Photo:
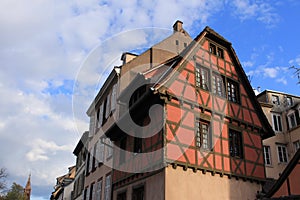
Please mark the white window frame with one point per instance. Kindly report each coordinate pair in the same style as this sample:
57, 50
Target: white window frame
289, 116
107, 187
277, 102
278, 122
99, 190
100, 116
289, 105
267, 152
284, 153
100, 153
109, 149
113, 99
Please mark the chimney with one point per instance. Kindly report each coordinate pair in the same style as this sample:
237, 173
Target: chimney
177, 27
126, 57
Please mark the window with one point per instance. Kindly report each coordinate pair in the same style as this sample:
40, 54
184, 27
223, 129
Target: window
138, 193
99, 190
296, 145
107, 187
289, 101
137, 94
177, 42
275, 100
122, 150
203, 136
218, 86
282, 153
108, 101
233, 91
220, 53
277, 125
87, 164
185, 44
87, 193
235, 144
92, 192
292, 120
109, 149
202, 80
91, 159
216, 50
267, 155
95, 163
137, 148
113, 99
100, 116
212, 48
121, 196
100, 153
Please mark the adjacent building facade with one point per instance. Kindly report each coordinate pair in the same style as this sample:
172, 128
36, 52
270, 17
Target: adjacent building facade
80, 152
64, 186
283, 112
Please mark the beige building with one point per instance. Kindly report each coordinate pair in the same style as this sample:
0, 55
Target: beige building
80, 152
283, 113
105, 111
64, 186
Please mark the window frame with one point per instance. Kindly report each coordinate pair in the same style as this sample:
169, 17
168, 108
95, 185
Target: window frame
218, 87
202, 79
233, 91
107, 189
289, 101
277, 122
292, 118
275, 101
202, 142
236, 144
283, 158
99, 189
267, 155
137, 192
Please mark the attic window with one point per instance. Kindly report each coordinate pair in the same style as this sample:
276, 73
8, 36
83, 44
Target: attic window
216, 50
177, 42
212, 48
220, 53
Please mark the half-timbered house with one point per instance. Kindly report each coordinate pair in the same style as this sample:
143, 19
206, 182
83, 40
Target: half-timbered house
190, 128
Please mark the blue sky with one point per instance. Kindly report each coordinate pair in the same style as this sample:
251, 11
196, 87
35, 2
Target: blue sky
47, 47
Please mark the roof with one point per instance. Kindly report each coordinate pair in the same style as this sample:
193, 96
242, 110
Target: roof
277, 92
81, 143
211, 34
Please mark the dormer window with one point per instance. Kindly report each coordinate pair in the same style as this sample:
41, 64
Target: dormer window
220, 53
275, 100
216, 50
212, 48
289, 101
292, 119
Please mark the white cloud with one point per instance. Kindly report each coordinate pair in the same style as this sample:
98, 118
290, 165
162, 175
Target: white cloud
43, 45
247, 64
41, 148
259, 10
295, 62
271, 72
282, 80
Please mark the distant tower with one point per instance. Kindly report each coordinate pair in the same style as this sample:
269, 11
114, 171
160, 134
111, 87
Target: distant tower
27, 189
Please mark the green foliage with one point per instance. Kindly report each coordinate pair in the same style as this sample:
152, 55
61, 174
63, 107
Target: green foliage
16, 192
3, 176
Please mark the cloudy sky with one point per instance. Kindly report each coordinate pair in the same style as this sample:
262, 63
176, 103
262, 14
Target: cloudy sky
53, 57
